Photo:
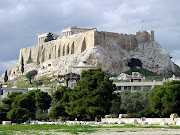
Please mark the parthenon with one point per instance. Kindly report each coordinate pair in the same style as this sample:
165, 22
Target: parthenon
74, 30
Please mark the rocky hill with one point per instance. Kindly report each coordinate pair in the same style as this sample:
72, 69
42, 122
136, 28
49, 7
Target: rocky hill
109, 56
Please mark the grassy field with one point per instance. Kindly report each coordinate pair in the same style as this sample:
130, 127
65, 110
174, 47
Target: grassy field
47, 129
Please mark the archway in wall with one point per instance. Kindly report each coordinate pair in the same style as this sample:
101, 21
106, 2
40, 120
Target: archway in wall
83, 47
72, 48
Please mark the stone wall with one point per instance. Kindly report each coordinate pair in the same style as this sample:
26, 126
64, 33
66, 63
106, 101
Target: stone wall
150, 121
56, 48
127, 42
79, 42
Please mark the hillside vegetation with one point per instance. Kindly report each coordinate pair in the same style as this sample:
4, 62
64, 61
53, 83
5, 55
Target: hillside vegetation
143, 71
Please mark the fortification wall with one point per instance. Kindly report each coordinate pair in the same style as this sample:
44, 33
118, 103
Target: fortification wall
127, 42
56, 48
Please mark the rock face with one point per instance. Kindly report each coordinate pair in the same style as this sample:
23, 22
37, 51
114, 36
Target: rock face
109, 56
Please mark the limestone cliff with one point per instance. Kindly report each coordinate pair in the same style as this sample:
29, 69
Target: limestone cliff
109, 56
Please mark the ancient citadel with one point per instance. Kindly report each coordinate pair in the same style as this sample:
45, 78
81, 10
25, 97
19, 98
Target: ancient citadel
76, 40
82, 46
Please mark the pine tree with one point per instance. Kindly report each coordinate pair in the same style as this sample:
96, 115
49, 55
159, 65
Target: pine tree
49, 37
5, 77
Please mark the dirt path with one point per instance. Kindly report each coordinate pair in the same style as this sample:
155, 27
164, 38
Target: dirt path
136, 131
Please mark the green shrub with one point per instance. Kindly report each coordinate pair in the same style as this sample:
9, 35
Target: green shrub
29, 61
142, 71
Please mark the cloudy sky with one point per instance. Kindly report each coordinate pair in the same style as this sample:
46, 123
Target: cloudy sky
22, 20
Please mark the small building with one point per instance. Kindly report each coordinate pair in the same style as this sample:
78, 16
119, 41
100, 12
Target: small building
135, 82
5, 91
133, 86
70, 79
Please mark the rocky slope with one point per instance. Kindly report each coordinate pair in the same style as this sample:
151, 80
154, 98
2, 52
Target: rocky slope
109, 56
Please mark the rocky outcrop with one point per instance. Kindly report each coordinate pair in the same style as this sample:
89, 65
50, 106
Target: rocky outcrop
110, 56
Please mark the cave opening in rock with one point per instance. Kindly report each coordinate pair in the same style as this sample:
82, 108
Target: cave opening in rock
134, 62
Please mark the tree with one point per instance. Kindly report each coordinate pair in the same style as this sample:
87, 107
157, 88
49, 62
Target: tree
135, 102
31, 74
60, 98
41, 115
115, 106
43, 100
17, 113
10, 99
58, 111
92, 97
32, 101
22, 65
166, 99
3, 112
25, 102
5, 77
49, 37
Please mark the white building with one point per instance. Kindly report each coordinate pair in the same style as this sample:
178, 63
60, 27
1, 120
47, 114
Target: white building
133, 86
135, 82
5, 91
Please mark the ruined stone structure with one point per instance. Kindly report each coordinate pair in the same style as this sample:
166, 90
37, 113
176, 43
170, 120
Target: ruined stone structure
76, 40
74, 30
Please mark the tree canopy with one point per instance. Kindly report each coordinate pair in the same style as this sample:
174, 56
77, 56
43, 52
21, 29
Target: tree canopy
92, 97
49, 37
166, 99
28, 105
43, 100
60, 98
31, 74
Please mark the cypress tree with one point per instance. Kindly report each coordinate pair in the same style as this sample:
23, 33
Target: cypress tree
22, 65
5, 77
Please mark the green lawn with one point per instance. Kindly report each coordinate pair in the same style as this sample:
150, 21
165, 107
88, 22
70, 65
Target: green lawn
47, 129
36, 129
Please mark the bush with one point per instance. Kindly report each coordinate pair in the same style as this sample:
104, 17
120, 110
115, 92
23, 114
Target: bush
29, 61
142, 71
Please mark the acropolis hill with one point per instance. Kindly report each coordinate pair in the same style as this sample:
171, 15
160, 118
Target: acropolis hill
83, 47
76, 40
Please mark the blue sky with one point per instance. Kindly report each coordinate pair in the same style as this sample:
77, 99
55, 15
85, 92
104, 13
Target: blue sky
22, 20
